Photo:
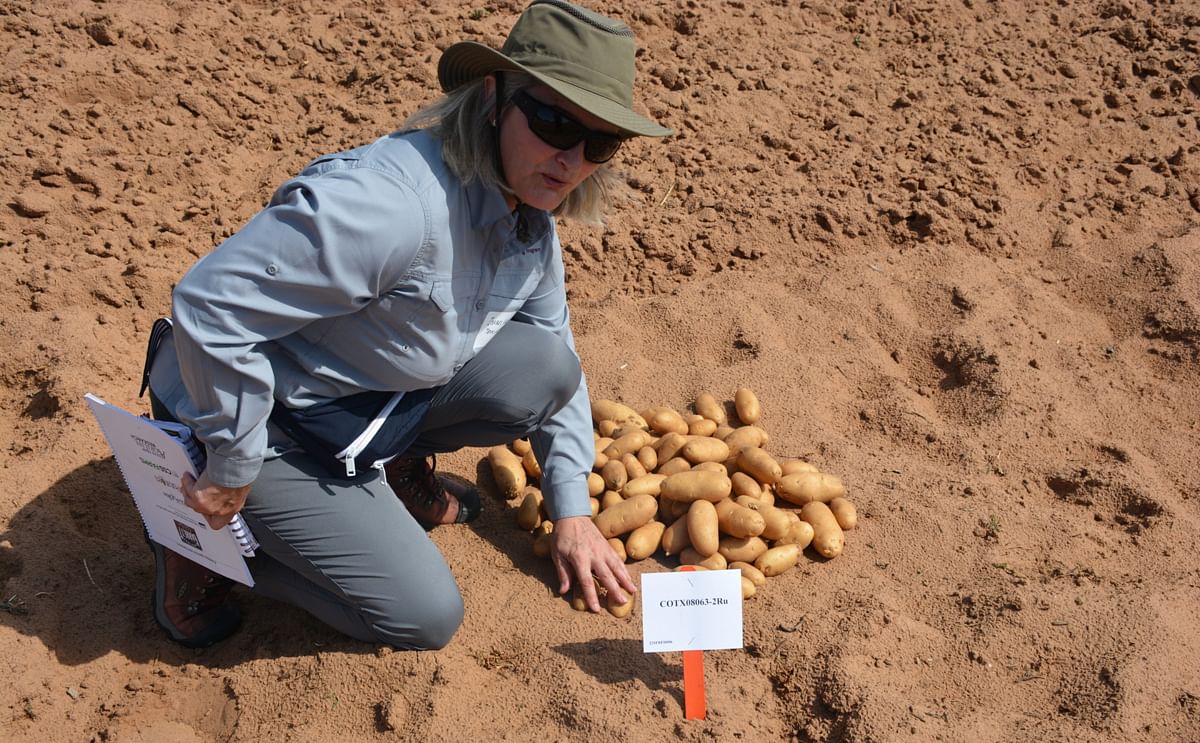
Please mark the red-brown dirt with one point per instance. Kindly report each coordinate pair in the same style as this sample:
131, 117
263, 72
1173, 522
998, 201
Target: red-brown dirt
953, 246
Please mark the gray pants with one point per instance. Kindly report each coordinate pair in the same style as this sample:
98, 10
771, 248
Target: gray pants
348, 552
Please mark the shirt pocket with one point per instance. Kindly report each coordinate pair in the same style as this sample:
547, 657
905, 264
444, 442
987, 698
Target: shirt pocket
512, 286
421, 302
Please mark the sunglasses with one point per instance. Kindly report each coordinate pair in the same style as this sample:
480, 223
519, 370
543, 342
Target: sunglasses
560, 130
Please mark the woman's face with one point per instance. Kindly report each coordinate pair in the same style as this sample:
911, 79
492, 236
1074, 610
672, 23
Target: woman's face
539, 174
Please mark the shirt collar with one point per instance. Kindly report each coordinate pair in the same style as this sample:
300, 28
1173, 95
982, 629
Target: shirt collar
488, 207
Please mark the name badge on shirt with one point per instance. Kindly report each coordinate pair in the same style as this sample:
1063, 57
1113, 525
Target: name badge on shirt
491, 325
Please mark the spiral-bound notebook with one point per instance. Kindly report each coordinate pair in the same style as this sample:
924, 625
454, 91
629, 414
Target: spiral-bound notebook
153, 457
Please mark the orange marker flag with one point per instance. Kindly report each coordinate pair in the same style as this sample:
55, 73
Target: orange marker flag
693, 679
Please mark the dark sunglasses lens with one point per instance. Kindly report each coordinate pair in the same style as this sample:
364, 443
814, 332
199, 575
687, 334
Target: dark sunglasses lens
600, 149
559, 130
555, 129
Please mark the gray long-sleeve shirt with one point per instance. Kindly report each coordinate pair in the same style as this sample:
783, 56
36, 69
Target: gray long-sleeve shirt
373, 269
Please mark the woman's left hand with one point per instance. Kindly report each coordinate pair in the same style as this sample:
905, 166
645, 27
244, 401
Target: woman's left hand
580, 554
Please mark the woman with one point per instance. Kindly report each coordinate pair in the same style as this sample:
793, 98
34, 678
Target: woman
426, 263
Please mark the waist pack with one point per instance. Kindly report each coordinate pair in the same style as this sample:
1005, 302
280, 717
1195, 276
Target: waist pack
364, 430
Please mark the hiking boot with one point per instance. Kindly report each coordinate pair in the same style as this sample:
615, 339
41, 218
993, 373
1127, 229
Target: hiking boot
190, 600
432, 499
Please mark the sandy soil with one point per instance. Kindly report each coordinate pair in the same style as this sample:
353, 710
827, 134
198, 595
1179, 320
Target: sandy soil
953, 246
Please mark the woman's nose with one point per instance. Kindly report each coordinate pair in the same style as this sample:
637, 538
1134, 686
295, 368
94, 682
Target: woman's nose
573, 157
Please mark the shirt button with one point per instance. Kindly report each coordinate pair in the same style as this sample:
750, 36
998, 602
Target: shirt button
479, 305
272, 269
457, 367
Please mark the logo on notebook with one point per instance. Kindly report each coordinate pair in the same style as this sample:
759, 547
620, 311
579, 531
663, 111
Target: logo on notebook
149, 447
188, 535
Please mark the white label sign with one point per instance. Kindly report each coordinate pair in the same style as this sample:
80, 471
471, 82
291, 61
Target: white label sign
492, 323
698, 610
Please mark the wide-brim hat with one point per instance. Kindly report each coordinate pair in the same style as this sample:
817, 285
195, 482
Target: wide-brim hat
585, 57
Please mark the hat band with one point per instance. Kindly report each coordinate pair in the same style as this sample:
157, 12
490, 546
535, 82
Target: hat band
578, 76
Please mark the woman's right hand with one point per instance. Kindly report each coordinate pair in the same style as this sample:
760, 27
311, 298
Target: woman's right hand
215, 503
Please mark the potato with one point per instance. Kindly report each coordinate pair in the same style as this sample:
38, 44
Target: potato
828, 539
578, 602
696, 485
629, 442
705, 449
778, 560
672, 509
615, 475
748, 588
644, 540
701, 426
751, 573
702, 528
543, 539
792, 466
644, 485
507, 471
648, 458
529, 513
664, 420
620, 611
669, 446
746, 436
595, 484
775, 520
675, 537
671, 466
520, 446
606, 428
767, 496
609, 410
758, 464
806, 487
603, 442
712, 467
610, 499
707, 406
745, 402
618, 547
723, 431
741, 549
625, 429
530, 463
799, 533
626, 516
845, 513
744, 484
689, 556
633, 467
595, 506
736, 520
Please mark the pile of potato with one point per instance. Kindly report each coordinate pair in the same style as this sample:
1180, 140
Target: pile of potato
695, 486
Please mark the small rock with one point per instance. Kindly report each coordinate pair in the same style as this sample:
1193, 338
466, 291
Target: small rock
394, 713
101, 32
32, 204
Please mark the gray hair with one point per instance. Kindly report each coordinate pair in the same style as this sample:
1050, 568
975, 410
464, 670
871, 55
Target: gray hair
461, 119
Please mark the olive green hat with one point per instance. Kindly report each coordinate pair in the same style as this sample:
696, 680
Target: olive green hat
585, 57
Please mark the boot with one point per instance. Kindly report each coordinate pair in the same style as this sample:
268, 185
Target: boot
432, 499
190, 600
